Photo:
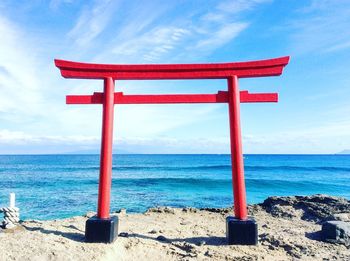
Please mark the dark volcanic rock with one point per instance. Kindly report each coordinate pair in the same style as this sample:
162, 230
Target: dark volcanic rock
318, 208
218, 210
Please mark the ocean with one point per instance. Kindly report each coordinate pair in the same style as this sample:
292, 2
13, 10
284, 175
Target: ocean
60, 186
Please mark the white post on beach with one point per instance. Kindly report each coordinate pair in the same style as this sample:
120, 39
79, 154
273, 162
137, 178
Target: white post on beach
12, 200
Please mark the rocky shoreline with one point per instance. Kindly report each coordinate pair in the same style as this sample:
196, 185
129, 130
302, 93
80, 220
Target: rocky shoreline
289, 229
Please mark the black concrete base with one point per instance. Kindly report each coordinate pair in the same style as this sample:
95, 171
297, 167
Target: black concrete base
99, 230
241, 232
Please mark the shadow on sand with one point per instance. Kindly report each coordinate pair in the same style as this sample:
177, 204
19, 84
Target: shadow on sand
78, 237
314, 235
211, 241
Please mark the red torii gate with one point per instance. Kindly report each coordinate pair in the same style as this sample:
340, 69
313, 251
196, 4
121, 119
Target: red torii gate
103, 228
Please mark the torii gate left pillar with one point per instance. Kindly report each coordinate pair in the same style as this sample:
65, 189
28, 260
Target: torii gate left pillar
239, 229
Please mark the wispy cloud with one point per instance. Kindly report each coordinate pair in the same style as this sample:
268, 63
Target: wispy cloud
329, 137
20, 138
19, 80
238, 6
223, 35
79, 143
153, 44
130, 32
93, 21
182, 38
157, 120
322, 27
55, 4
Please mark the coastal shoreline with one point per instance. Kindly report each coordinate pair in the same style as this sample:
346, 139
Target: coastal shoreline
289, 229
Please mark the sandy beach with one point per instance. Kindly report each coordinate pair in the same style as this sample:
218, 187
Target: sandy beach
289, 229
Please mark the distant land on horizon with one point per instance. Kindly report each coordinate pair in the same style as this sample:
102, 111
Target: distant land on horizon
119, 151
124, 152
347, 152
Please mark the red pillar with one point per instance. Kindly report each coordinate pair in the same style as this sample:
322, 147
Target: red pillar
104, 189
239, 192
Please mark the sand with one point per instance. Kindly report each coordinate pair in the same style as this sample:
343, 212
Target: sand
287, 231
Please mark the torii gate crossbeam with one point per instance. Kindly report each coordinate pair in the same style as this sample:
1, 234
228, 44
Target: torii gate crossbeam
229, 71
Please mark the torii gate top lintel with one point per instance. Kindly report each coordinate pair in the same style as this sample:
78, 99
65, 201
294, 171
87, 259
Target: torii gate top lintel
261, 68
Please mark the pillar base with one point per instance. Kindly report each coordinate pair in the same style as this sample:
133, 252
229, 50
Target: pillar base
99, 230
241, 232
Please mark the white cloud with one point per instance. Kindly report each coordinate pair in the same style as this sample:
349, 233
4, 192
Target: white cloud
237, 6
330, 137
29, 94
19, 74
152, 44
337, 47
93, 21
27, 143
323, 27
55, 4
22, 138
155, 120
223, 35
182, 38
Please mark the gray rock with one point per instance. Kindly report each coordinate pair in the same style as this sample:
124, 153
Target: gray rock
336, 232
124, 234
208, 253
154, 210
187, 247
190, 210
201, 243
168, 210
162, 238
121, 211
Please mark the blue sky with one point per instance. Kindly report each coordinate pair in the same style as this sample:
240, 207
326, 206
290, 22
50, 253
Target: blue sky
312, 116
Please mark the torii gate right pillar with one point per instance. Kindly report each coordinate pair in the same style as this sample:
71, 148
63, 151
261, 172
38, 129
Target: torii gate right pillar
240, 230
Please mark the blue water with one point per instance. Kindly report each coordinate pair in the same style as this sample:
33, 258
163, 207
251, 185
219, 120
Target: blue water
58, 186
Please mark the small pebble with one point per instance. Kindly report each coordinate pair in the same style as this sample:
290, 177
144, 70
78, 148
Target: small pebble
201, 243
121, 211
124, 234
153, 231
208, 254
162, 238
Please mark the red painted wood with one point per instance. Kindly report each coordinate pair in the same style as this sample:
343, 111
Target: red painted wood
229, 71
240, 204
246, 97
104, 189
96, 98
270, 67
220, 97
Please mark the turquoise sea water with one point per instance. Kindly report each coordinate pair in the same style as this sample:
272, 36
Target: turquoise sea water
58, 186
